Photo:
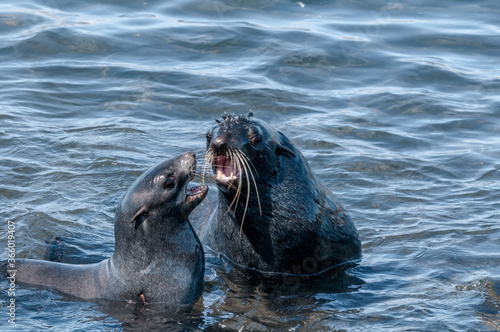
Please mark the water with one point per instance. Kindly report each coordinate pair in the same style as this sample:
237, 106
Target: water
394, 103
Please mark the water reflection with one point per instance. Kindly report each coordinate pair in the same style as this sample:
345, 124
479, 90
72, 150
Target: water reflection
251, 300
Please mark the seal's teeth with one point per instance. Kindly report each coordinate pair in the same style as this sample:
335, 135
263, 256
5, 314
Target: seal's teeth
225, 175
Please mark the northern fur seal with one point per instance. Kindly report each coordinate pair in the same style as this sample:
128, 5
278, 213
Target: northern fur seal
158, 257
273, 214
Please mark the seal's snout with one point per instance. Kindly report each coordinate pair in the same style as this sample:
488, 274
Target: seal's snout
193, 197
219, 144
187, 163
224, 165
189, 157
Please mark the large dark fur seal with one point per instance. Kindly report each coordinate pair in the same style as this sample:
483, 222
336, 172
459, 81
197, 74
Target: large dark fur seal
272, 214
158, 257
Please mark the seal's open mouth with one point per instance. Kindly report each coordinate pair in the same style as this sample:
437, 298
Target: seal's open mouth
195, 195
225, 170
198, 192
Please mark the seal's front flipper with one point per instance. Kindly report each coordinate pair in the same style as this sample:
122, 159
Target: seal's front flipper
55, 249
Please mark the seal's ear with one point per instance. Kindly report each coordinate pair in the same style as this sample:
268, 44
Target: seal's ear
284, 146
140, 216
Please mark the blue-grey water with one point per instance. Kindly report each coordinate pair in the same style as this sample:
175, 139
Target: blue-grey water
395, 104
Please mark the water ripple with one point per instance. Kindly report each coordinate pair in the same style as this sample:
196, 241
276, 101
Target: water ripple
395, 105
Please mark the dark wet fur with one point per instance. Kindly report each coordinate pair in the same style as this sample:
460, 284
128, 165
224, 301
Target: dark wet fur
280, 218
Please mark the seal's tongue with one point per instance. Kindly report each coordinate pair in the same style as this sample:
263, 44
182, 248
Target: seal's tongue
224, 168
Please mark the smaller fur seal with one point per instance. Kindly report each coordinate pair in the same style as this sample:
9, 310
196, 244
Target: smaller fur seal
273, 213
158, 257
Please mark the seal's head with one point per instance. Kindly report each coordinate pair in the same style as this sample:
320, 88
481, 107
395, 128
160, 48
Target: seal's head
242, 147
161, 194
245, 156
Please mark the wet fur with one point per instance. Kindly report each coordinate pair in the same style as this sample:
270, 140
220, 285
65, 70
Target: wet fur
286, 220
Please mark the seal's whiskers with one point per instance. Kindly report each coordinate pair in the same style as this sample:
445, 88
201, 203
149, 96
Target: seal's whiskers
245, 157
208, 160
240, 164
238, 191
247, 161
238, 157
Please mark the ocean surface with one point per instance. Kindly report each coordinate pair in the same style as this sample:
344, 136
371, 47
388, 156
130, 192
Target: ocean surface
395, 104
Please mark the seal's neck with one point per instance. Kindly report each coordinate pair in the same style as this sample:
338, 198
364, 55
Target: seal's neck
151, 242
241, 220
249, 204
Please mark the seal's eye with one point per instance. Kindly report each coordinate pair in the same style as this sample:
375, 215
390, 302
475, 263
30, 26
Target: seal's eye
169, 183
256, 139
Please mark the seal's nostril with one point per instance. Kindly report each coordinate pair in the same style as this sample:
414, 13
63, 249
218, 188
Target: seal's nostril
219, 143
